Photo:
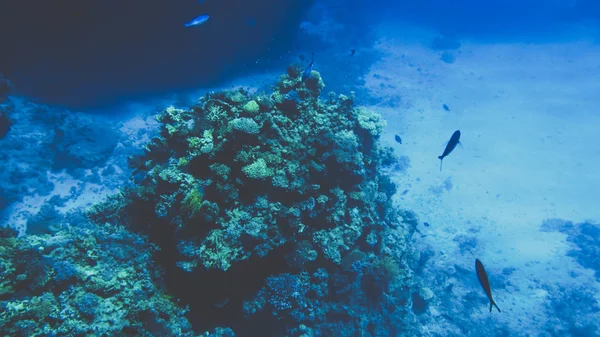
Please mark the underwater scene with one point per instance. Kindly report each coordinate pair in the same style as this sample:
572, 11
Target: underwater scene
300, 168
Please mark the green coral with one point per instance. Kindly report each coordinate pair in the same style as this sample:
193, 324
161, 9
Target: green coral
370, 121
251, 107
215, 252
257, 170
175, 121
183, 161
192, 203
198, 146
346, 148
245, 125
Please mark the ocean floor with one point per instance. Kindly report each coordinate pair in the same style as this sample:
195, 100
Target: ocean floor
529, 123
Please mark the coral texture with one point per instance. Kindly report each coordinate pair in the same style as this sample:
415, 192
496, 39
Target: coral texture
274, 208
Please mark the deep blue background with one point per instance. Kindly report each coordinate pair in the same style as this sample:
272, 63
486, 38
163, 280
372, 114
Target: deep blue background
95, 53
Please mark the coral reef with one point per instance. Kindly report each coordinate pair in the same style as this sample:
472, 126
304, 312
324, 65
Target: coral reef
84, 281
275, 210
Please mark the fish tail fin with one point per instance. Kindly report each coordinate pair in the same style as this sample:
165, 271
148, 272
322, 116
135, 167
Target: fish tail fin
493, 304
441, 161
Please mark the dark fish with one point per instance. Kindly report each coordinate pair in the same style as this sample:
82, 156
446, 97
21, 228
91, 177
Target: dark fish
454, 140
308, 69
446, 107
398, 139
302, 58
352, 52
483, 279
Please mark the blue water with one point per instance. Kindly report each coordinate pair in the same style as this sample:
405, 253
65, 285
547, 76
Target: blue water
138, 199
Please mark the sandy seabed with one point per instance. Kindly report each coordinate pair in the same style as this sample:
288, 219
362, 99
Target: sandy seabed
529, 119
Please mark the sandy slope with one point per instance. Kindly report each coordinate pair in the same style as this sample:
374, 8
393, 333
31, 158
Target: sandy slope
529, 121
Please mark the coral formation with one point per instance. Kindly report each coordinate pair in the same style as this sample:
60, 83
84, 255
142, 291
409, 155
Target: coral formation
97, 280
259, 199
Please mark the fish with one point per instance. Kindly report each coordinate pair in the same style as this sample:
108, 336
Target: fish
398, 139
446, 107
483, 279
352, 52
454, 140
197, 21
308, 69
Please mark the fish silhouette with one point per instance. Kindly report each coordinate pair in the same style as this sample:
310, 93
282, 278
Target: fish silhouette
308, 69
454, 140
485, 283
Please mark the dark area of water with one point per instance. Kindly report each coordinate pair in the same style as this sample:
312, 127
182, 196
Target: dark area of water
93, 54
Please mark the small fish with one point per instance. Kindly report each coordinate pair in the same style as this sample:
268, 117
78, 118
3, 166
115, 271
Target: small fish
197, 21
483, 279
308, 69
352, 52
302, 58
454, 140
398, 139
446, 107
